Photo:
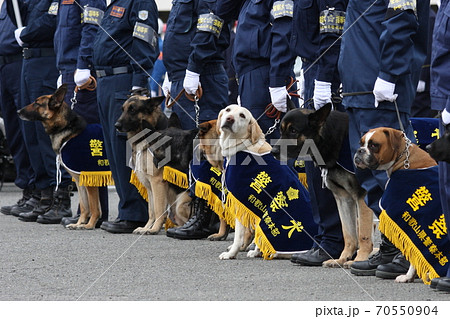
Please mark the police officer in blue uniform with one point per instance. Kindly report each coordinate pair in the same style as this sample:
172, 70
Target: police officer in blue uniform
440, 97
10, 68
39, 76
317, 27
389, 66
125, 49
196, 39
261, 57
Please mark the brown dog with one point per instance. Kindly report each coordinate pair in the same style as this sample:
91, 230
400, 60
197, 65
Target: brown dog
62, 124
388, 149
142, 113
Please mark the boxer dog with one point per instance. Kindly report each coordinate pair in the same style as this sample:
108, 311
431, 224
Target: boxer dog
388, 149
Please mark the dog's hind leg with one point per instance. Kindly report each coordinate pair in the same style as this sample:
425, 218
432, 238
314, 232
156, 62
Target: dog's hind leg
239, 234
84, 205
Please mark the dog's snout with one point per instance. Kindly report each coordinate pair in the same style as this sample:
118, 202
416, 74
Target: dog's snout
118, 126
230, 119
428, 148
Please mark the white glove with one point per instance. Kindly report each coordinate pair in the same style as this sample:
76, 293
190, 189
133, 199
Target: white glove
191, 82
81, 76
17, 33
421, 86
153, 93
445, 117
136, 88
59, 81
278, 96
166, 85
322, 93
384, 91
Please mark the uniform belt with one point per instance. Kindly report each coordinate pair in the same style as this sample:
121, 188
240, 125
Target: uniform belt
6, 59
29, 53
113, 71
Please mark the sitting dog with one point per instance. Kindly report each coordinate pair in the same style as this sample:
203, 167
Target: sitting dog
253, 192
327, 130
140, 113
440, 149
63, 124
389, 149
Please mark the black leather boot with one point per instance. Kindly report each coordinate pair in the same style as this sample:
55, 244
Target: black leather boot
45, 203
31, 204
398, 266
204, 222
60, 208
385, 255
26, 195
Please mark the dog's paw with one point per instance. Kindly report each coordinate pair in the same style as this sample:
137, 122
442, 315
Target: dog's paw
226, 255
348, 264
72, 226
254, 253
333, 263
217, 237
404, 279
145, 231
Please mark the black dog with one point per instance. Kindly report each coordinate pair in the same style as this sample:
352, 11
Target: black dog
324, 131
440, 149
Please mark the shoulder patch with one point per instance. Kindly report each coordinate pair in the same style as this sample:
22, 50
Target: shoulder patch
92, 15
332, 21
283, 8
143, 14
397, 6
53, 9
209, 22
67, 1
145, 32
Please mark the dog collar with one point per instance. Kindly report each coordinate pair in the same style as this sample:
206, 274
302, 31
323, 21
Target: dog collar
406, 163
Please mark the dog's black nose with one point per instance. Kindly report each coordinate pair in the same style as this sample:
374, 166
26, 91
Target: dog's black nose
428, 148
118, 126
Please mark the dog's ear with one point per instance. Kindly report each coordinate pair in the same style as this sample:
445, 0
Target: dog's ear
319, 117
219, 120
204, 128
153, 102
58, 97
174, 121
395, 138
290, 105
255, 131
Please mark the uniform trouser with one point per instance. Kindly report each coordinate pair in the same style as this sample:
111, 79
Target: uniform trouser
444, 188
325, 211
360, 121
86, 106
39, 77
9, 94
112, 92
214, 82
255, 96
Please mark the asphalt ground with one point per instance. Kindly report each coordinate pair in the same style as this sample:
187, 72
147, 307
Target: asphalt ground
50, 263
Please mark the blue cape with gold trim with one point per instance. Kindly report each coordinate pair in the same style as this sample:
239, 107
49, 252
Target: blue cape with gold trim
268, 195
413, 220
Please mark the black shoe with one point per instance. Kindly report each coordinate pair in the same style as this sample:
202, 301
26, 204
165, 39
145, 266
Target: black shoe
26, 195
443, 284
29, 217
29, 206
121, 226
202, 223
73, 220
59, 208
398, 266
434, 282
313, 257
384, 255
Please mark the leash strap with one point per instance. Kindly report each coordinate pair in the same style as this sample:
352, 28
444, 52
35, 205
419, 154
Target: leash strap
191, 97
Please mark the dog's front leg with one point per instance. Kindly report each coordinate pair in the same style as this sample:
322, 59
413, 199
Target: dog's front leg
94, 207
408, 277
237, 243
365, 236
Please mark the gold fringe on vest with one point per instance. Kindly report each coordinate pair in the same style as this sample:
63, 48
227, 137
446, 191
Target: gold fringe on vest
96, 179
399, 238
140, 187
175, 177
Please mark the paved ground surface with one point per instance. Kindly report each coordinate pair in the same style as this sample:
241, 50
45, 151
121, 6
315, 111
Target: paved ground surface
48, 262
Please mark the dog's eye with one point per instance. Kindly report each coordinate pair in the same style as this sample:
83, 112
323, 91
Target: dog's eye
293, 130
374, 147
242, 115
227, 109
131, 110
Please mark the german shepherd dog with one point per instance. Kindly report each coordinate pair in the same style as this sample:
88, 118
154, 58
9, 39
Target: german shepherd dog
440, 149
327, 129
62, 124
140, 113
